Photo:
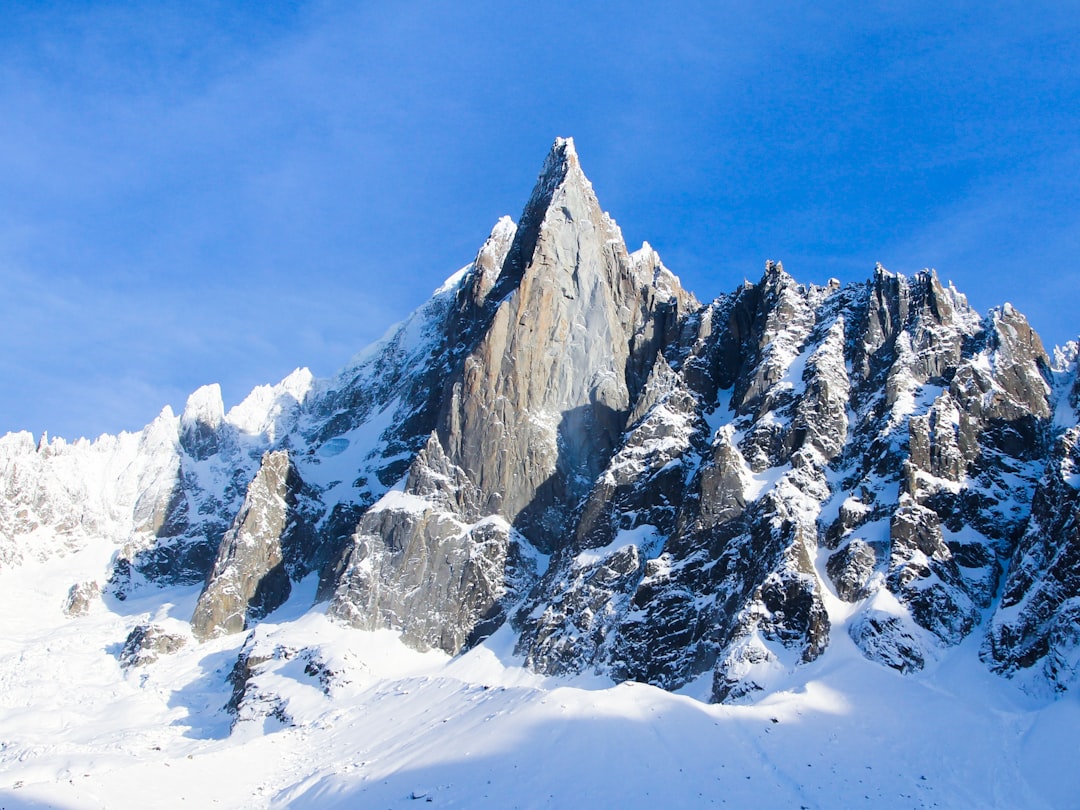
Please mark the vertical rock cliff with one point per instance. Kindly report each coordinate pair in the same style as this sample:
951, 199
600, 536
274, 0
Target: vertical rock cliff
528, 421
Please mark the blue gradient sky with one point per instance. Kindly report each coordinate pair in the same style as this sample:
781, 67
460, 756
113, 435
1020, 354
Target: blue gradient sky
205, 192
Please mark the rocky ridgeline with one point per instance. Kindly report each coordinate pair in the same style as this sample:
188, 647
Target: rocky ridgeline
564, 439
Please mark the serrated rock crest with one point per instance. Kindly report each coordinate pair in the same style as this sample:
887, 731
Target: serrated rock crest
643, 486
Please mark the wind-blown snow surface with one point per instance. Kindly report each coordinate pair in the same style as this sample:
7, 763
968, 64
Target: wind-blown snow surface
362, 721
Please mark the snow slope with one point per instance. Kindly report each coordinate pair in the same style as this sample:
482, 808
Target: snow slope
343, 718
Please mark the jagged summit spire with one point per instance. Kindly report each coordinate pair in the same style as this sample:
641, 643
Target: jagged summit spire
575, 323
562, 185
566, 145
561, 160
562, 153
560, 166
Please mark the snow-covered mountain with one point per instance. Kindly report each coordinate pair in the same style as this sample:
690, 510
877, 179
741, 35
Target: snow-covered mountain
564, 473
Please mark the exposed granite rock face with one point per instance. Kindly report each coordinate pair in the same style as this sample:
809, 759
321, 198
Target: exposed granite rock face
425, 561
545, 396
269, 544
528, 422
644, 483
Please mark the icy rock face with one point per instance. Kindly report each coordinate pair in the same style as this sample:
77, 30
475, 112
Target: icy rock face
883, 429
200, 424
270, 544
426, 562
1037, 624
396, 388
945, 429
186, 499
633, 505
716, 568
117, 488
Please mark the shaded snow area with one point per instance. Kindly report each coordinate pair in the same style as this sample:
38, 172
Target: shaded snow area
306, 713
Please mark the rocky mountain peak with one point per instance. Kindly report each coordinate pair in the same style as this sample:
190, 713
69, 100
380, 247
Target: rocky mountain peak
201, 420
488, 264
565, 439
561, 164
562, 193
573, 336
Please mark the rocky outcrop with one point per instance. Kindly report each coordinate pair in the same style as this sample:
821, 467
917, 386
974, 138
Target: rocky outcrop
269, 545
81, 597
264, 662
852, 568
425, 560
148, 642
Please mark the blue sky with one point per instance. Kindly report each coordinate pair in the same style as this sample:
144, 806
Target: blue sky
221, 192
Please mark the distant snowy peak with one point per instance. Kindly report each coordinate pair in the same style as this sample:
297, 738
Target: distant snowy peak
267, 409
1065, 357
201, 421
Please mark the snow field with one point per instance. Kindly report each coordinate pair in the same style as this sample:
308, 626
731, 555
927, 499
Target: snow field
399, 727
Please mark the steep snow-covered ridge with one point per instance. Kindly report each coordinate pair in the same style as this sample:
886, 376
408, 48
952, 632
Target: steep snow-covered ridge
564, 444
